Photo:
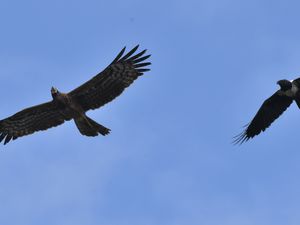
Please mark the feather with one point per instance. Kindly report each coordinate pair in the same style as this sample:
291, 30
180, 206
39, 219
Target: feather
112, 81
270, 110
30, 120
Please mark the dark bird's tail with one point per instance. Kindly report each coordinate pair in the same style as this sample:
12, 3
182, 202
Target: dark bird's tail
89, 127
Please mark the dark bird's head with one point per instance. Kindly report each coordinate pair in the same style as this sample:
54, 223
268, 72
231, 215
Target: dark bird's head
284, 85
54, 92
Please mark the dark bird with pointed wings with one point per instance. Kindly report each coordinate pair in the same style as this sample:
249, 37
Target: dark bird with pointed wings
271, 109
95, 93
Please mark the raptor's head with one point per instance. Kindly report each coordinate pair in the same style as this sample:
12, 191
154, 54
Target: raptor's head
284, 84
54, 92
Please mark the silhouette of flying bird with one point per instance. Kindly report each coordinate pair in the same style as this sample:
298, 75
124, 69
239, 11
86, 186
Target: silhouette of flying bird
271, 109
95, 93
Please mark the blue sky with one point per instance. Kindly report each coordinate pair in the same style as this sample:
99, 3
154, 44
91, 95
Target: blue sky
169, 159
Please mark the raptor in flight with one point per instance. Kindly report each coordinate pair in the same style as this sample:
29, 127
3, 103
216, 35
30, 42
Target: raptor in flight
271, 109
98, 91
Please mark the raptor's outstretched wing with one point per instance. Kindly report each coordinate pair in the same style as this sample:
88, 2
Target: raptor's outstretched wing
112, 81
30, 120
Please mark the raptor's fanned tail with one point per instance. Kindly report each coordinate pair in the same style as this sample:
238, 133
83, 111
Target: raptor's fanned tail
89, 127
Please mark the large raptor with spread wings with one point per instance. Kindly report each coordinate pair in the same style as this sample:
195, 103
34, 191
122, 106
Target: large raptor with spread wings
98, 91
271, 109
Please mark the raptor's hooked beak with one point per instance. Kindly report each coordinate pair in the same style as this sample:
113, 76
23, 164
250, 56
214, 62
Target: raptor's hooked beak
54, 90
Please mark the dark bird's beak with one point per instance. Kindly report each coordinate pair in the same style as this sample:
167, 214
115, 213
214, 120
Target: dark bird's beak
284, 84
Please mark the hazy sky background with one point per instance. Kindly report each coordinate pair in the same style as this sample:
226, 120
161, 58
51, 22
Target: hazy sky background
169, 159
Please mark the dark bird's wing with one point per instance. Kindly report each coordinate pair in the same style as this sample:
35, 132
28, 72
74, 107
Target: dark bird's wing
30, 120
270, 110
112, 81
